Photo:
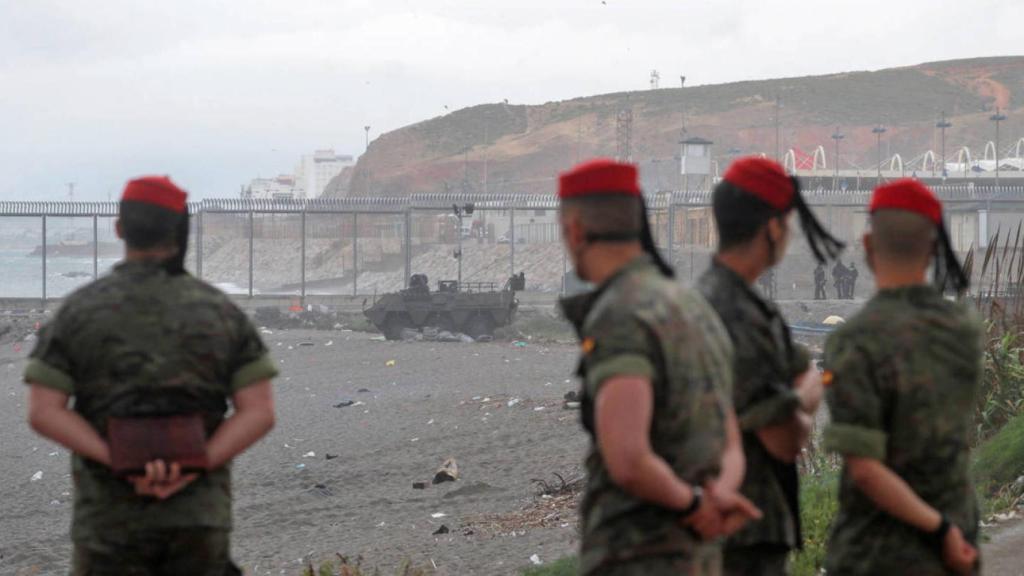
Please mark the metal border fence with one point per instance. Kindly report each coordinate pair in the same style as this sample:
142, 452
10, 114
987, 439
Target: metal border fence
964, 197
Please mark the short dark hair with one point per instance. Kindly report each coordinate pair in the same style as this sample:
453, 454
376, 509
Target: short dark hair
145, 226
739, 215
901, 236
609, 214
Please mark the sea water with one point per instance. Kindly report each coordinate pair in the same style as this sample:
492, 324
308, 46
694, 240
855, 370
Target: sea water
21, 273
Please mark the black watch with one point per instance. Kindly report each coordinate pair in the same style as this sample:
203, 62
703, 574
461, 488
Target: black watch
937, 537
697, 496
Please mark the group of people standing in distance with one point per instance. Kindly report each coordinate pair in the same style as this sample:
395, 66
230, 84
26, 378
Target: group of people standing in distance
844, 279
697, 401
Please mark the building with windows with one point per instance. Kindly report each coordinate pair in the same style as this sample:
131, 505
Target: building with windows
280, 188
314, 171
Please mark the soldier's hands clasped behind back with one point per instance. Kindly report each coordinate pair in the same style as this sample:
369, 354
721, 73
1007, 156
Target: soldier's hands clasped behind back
161, 480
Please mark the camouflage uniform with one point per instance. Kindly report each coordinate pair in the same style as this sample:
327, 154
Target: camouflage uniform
767, 362
904, 378
135, 336
641, 323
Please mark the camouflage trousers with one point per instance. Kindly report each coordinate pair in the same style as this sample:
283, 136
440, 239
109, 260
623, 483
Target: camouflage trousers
756, 560
172, 552
708, 563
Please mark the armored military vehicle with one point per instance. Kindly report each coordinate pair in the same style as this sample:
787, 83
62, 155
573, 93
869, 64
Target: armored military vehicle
474, 308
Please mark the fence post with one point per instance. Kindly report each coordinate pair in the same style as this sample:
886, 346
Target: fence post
671, 231
355, 253
407, 248
199, 244
95, 246
303, 258
44, 262
512, 240
252, 253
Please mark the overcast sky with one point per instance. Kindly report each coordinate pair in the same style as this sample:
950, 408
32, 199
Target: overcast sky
215, 93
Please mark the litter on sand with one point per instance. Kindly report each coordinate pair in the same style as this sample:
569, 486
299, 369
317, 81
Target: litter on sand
389, 363
536, 560
438, 515
37, 476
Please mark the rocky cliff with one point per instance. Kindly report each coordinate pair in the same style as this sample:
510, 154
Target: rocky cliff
515, 148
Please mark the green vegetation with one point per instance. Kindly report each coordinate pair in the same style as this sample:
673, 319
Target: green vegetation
563, 567
998, 463
818, 505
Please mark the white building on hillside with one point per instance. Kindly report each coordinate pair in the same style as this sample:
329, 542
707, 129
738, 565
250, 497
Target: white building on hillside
315, 171
279, 188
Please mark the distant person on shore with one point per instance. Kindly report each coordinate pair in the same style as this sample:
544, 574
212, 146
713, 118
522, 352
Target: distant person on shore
151, 349
851, 281
776, 390
662, 475
819, 282
901, 378
839, 273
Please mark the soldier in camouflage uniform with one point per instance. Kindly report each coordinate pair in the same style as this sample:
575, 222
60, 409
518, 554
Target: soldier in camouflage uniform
775, 392
150, 338
665, 461
901, 378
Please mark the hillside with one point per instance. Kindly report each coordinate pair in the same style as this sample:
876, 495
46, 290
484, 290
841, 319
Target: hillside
516, 148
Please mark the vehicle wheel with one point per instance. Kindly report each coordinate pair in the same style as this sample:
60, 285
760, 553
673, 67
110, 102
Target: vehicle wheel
479, 325
393, 326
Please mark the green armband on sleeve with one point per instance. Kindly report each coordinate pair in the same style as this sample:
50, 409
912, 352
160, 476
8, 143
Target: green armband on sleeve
620, 365
774, 410
261, 369
852, 440
39, 372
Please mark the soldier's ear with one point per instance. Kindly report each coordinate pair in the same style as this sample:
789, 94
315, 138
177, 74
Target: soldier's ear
869, 251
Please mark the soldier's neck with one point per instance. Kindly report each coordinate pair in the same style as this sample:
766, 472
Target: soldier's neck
152, 255
890, 276
747, 265
605, 259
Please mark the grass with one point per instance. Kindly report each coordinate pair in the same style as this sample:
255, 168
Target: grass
818, 505
998, 462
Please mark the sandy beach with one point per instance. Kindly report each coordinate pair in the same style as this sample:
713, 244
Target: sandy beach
495, 407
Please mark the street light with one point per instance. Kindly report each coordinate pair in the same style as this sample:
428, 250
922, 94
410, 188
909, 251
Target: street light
878, 131
942, 125
459, 211
837, 136
997, 118
367, 129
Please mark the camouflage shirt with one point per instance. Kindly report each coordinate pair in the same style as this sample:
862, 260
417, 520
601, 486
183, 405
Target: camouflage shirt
767, 362
904, 377
139, 332
640, 323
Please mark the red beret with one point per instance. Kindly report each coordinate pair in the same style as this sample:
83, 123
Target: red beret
156, 190
909, 195
599, 177
764, 179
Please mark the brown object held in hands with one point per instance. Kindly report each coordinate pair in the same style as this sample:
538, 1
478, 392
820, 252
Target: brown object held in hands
134, 442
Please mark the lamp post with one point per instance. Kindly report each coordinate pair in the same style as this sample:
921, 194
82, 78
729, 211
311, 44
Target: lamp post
942, 125
778, 104
837, 136
997, 118
459, 211
878, 131
367, 130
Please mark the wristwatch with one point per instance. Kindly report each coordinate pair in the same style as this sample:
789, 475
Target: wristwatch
937, 537
695, 500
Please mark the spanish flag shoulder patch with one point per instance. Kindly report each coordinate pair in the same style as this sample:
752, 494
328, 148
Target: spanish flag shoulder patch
587, 345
